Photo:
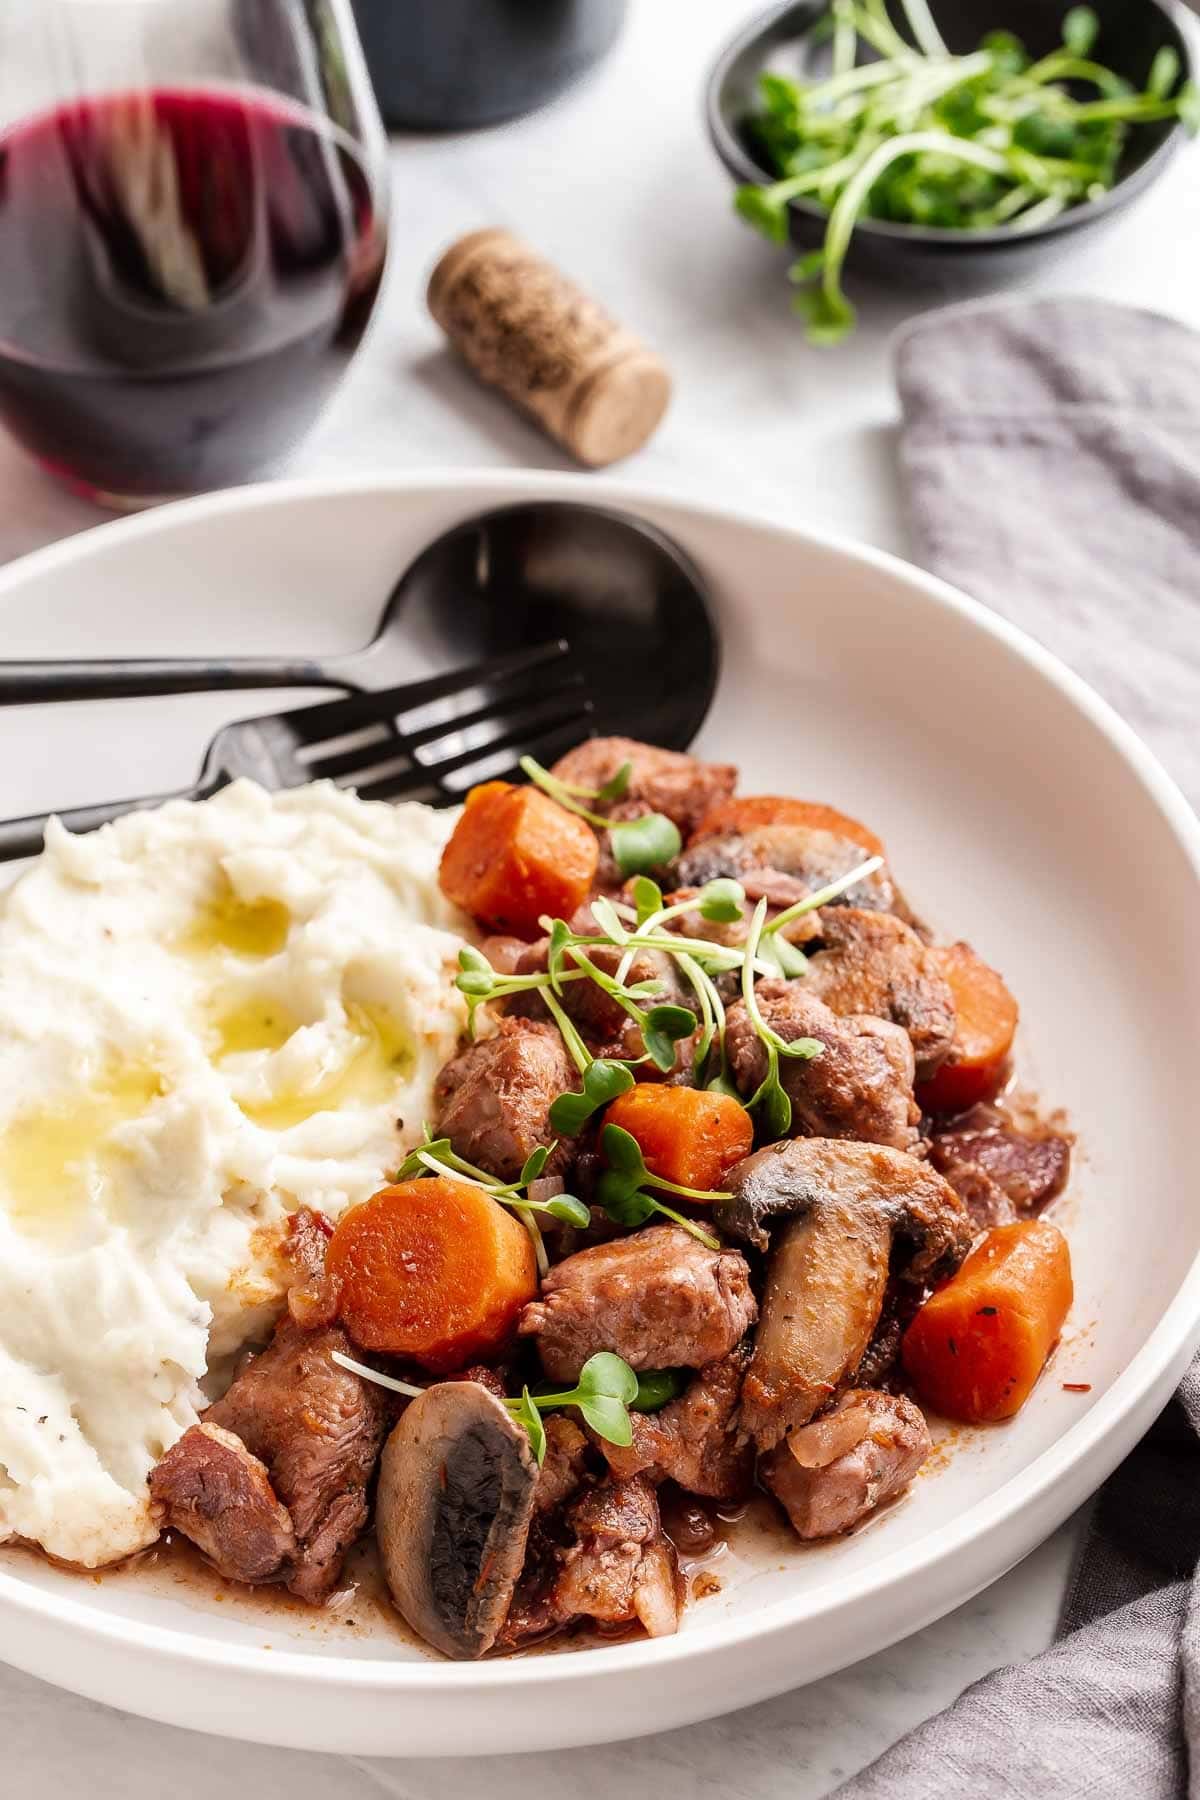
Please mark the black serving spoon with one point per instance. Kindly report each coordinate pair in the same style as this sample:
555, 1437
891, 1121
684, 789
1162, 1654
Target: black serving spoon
631, 605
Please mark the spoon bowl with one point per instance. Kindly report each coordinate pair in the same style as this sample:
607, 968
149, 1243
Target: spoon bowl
633, 608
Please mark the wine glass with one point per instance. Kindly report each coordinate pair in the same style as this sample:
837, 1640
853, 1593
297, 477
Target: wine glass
193, 224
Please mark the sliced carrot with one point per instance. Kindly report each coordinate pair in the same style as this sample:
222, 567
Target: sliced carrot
685, 1135
986, 1023
435, 1270
514, 855
752, 810
978, 1345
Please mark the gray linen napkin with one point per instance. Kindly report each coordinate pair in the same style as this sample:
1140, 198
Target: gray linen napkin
1051, 451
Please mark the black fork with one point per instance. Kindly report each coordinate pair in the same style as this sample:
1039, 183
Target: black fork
427, 740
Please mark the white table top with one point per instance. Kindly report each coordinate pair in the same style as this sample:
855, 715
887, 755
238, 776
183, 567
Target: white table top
616, 182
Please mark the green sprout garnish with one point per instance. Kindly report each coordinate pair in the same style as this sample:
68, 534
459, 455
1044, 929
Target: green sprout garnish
606, 1392
637, 844
646, 843
916, 136
822, 896
770, 1095
602, 1083
622, 1189
656, 1387
615, 788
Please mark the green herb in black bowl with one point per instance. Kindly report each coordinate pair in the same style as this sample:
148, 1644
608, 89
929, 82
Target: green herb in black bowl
967, 136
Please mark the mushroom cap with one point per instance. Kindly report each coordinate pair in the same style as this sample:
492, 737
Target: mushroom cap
785, 1180
456, 1491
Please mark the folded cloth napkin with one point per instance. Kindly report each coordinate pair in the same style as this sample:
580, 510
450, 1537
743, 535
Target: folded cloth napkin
1051, 451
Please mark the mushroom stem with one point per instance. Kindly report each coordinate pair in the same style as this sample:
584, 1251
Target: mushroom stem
844, 1215
824, 1294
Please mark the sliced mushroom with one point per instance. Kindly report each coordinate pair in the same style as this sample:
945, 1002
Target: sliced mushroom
845, 1214
456, 1493
785, 863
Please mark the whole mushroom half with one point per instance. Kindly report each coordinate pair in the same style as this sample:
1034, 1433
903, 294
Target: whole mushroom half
837, 1217
456, 1488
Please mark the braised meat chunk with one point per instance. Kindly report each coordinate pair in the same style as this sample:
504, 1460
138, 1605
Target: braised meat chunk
493, 1101
785, 863
872, 962
318, 1430
212, 1490
829, 1475
861, 1086
613, 1566
621, 1567
693, 1440
1001, 1175
272, 1484
565, 1464
658, 1298
663, 781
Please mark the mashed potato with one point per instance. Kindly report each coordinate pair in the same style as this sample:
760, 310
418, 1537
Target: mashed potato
209, 1014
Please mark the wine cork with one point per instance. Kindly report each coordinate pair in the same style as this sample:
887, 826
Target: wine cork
526, 329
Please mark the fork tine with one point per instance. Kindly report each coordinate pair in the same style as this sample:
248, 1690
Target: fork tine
547, 749
327, 719
556, 710
362, 758
553, 735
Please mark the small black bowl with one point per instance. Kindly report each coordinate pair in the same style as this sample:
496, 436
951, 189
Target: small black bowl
1131, 33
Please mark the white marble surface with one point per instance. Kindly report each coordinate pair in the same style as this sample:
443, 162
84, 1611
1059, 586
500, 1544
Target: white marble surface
617, 182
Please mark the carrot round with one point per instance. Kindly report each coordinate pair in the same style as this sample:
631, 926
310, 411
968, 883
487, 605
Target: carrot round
434, 1270
985, 1025
514, 855
978, 1345
752, 810
685, 1135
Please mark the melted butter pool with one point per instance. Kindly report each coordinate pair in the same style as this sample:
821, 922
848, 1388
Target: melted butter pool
380, 1059
58, 1159
254, 1024
249, 928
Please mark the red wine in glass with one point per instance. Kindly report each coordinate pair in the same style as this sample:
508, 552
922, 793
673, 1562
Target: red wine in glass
183, 276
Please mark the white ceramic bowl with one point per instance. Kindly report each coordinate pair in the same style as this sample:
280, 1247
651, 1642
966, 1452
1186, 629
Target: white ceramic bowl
1019, 812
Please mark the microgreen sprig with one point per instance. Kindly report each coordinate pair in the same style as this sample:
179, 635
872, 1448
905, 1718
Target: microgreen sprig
606, 1389
603, 1082
637, 844
833, 890
436, 1156
916, 136
568, 793
771, 1095
606, 1392
622, 1189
